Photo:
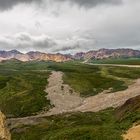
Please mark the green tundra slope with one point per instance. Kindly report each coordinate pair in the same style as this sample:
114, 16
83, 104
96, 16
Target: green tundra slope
22, 94
122, 61
22, 90
109, 124
22, 84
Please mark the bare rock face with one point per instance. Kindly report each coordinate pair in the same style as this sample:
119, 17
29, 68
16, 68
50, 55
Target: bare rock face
4, 132
107, 53
33, 56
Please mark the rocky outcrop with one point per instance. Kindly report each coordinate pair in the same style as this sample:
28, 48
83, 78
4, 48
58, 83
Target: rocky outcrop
4, 132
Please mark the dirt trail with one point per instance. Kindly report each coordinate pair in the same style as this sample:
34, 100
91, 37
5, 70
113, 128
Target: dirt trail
66, 100
114, 65
61, 95
133, 133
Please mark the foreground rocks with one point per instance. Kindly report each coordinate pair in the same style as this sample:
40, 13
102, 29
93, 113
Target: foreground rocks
4, 132
133, 133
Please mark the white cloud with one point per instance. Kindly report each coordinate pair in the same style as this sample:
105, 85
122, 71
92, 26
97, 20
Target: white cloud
62, 26
24, 41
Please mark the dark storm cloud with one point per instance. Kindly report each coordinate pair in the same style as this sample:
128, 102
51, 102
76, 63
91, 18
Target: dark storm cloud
41, 41
23, 41
7, 4
91, 3
75, 43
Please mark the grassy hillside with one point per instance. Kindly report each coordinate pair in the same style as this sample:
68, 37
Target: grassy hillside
22, 94
22, 90
123, 61
18, 65
22, 84
109, 124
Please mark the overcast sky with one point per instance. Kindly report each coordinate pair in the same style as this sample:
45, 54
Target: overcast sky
69, 26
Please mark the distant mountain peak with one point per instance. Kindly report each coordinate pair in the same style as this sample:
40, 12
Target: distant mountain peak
32, 55
58, 57
107, 53
15, 51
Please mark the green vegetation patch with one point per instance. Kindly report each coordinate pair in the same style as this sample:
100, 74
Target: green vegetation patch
18, 65
108, 124
88, 80
22, 92
78, 126
125, 72
22, 84
123, 61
